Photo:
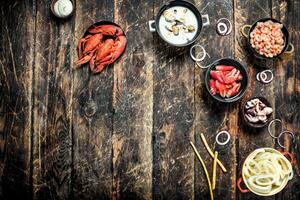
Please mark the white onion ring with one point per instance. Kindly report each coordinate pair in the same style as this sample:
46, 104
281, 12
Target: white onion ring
202, 67
264, 80
258, 178
263, 76
226, 141
228, 31
269, 127
261, 189
266, 170
257, 76
221, 24
193, 57
281, 134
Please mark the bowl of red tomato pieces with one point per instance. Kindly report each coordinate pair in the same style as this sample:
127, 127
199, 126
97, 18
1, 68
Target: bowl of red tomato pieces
226, 80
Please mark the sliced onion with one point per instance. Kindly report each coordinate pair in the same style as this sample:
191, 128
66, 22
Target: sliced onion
219, 28
263, 76
258, 188
258, 76
266, 170
269, 177
227, 26
194, 57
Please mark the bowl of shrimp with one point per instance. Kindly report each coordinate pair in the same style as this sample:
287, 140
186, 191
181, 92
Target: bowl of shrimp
268, 38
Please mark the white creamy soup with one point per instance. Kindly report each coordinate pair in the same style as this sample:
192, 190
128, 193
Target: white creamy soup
178, 25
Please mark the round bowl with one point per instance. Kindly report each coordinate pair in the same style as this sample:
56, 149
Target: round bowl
273, 192
260, 124
154, 24
284, 31
244, 82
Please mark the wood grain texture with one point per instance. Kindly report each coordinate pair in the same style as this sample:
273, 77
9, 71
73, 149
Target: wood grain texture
133, 101
211, 116
287, 86
92, 114
247, 12
16, 60
124, 133
52, 100
173, 106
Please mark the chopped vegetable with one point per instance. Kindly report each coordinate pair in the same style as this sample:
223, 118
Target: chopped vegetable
266, 170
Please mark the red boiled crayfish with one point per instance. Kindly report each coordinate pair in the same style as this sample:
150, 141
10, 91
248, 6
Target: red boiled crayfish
101, 46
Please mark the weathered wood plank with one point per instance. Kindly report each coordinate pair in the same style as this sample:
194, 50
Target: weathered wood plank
287, 87
133, 100
173, 115
52, 137
16, 62
92, 113
247, 12
211, 116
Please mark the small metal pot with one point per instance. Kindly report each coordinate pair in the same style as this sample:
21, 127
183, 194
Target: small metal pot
260, 124
273, 192
284, 30
244, 82
154, 24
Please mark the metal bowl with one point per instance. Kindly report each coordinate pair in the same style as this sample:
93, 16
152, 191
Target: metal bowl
239, 66
273, 192
154, 24
260, 124
284, 31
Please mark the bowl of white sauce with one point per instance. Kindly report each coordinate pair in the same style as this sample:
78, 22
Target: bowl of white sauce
178, 23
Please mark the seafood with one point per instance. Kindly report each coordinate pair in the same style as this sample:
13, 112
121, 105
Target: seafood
101, 46
256, 111
225, 80
190, 28
213, 88
175, 29
176, 21
169, 17
267, 38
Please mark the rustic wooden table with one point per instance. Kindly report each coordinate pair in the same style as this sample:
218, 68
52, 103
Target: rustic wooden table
124, 133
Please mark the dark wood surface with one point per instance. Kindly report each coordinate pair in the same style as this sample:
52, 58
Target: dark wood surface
124, 133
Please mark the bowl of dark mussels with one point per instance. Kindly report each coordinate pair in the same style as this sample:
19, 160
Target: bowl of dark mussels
257, 112
226, 80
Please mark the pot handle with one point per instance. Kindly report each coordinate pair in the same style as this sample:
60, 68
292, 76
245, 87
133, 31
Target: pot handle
207, 20
291, 158
152, 26
291, 47
238, 184
288, 155
243, 30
